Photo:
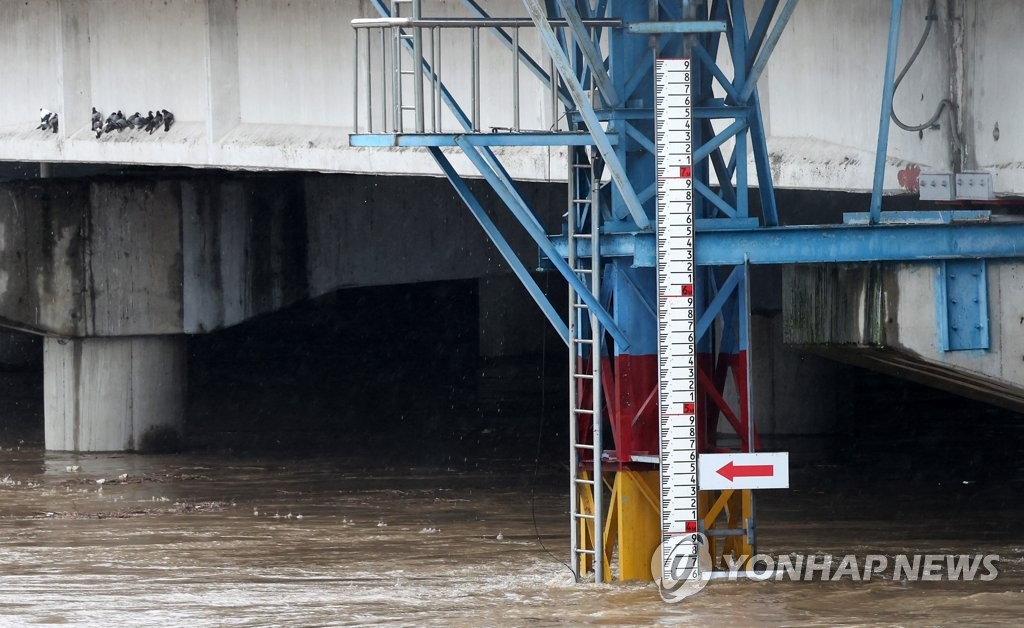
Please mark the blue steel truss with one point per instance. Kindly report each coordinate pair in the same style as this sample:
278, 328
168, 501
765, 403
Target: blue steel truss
609, 110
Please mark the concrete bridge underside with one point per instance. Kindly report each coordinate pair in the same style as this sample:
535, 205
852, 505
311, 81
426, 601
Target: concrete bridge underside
115, 272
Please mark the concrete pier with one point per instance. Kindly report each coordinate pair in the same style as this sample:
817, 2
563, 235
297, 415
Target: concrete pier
889, 317
114, 394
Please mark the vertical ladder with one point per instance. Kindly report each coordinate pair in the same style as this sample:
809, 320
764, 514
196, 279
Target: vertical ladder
399, 108
586, 491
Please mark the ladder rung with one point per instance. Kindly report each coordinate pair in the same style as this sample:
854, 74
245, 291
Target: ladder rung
583, 446
581, 165
581, 515
583, 376
587, 482
584, 341
585, 236
582, 270
582, 201
583, 411
584, 551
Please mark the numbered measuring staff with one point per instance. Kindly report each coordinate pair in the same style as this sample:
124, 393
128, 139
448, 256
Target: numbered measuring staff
677, 381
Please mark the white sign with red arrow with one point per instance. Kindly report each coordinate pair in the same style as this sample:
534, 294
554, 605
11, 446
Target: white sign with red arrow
760, 470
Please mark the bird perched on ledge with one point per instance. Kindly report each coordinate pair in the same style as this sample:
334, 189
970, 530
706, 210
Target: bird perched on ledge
168, 119
118, 122
47, 120
155, 123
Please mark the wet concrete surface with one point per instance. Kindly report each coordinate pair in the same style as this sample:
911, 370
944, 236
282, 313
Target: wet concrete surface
212, 539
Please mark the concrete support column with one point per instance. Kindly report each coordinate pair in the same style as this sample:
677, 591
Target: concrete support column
114, 394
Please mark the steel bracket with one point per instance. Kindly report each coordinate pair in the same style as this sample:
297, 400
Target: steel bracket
963, 305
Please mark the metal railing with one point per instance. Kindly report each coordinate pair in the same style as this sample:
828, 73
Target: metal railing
396, 55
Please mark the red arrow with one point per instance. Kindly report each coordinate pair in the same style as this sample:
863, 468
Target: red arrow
731, 471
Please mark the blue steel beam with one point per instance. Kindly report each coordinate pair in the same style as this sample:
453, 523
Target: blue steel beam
715, 307
681, 27
888, 87
739, 158
799, 245
762, 164
766, 51
700, 54
592, 56
501, 244
715, 199
640, 138
761, 29
828, 243
715, 110
615, 167
526, 219
718, 140
738, 40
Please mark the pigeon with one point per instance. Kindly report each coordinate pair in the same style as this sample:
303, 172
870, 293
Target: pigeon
52, 123
151, 122
44, 119
97, 120
108, 124
158, 121
120, 123
168, 119
136, 121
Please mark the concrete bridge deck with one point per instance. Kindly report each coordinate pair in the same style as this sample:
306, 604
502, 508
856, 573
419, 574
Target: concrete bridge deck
260, 84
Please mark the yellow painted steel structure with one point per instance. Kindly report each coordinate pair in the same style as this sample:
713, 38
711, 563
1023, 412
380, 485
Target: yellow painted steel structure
632, 528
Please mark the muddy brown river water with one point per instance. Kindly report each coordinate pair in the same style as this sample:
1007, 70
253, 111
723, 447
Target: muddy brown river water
233, 541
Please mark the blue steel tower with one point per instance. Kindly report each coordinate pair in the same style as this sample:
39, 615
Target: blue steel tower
598, 67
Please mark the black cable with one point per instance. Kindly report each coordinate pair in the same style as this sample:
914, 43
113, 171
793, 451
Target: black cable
540, 434
930, 19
